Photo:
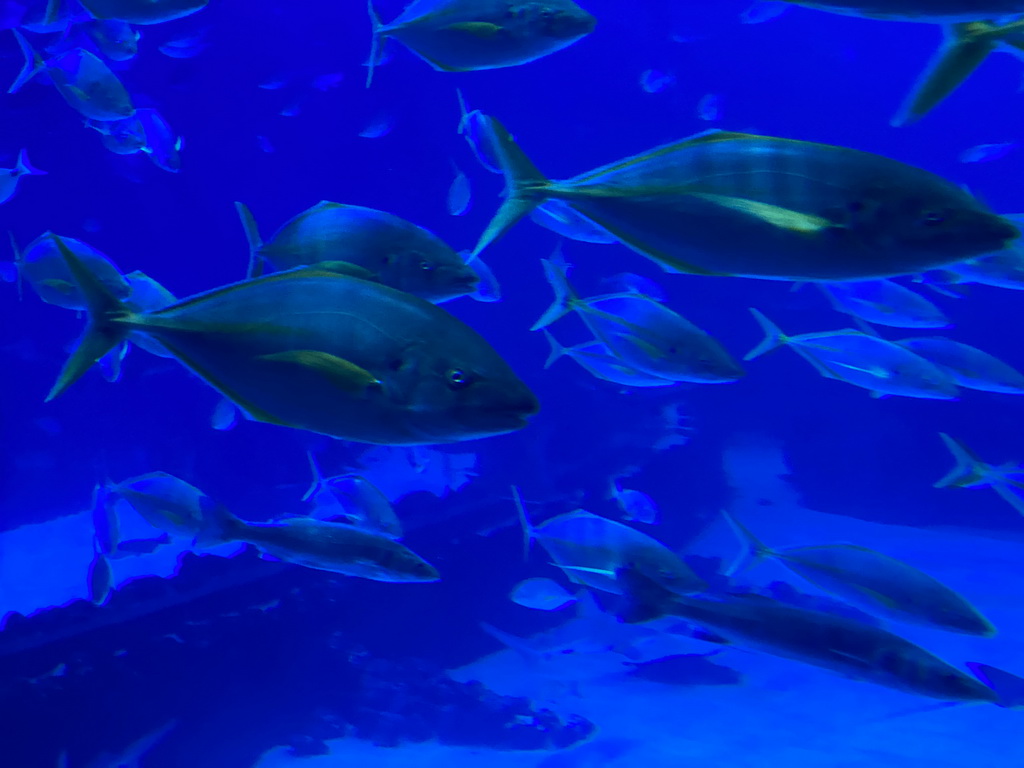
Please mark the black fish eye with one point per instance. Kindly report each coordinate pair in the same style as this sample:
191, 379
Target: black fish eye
457, 378
932, 218
427, 266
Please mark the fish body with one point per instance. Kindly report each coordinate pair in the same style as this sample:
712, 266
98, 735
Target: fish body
87, 84
364, 504
1004, 269
873, 582
1007, 480
471, 35
541, 594
923, 11
722, 203
41, 266
115, 39
885, 303
106, 529
99, 579
883, 367
324, 352
824, 640
595, 358
9, 177
165, 502
321, 545
968, 366
143, 11
590, 548
395, 251
162, 145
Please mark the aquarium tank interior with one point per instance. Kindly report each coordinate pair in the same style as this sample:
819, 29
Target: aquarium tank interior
511, 383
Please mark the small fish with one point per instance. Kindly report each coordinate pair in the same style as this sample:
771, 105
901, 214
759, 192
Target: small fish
324, 546
721, 203
1004, 269
81, 78
224, 416
365, 505
473, 125
763, 10
1007, 480
460, 196
136, 547
100, 578
595, 358
851, 648
122, 137
116, 40
869, 580
919, 11
9, 177
40, 265
143, 11
185, 47
589, 549
488, 289
627, 282
642, 333
541, 594
984, 153
709, 108
968, 366
635, 505
378, 126
396, 252
162, 145
885, 303
164, 501
656, 81
471, 35
880, 366
104, 520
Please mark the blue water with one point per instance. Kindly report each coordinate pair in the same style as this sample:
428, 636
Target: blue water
269, 680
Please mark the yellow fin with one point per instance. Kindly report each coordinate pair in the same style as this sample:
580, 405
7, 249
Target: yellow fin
477, 28
781, 218
346, 268
347, 376
61, 286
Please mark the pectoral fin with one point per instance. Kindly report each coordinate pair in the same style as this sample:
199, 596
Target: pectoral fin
346, 376
781, 218
61, 286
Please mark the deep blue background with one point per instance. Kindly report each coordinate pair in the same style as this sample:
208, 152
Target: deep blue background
808, 75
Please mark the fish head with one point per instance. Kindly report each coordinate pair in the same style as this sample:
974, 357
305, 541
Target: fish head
942, 223
434, 274
553, 19
455, 387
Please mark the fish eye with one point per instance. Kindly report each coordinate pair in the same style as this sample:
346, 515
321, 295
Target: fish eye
933, 218
458, 378
426, 266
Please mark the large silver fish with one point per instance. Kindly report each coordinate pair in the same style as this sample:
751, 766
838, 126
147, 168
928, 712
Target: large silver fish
723, 203
852, 648
322, 351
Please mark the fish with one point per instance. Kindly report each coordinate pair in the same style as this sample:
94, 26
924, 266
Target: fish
642, 333
709, 108
320, 545
224, 416
460, 195
364, 504
81, 78
1007, 480
396, 252
722, 203
635, 505
162, 145
921, 11
292, 349
41, 266
100, 577
541, 594
9, 177
885, 303
968, 366
106, 529
595, 358
1008, 686
851, 648
984, 153
114, 39
882, 367
560, 218
186, 46
869, 580
656, 81
762, 11
143, 11
1004, 269
589, 549
472, 35
122, 137
131, 755
136, 547
164, 501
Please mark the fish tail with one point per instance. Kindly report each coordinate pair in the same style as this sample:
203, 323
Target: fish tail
965, 473
19, 263
773, 337
564, 295
524, 185
524, 522
643, 598
556, 350
518, 644
252, 236
754, 549
376, 25
218, 524
104, 330
965, 48
25, 168
318, 478
34, 63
